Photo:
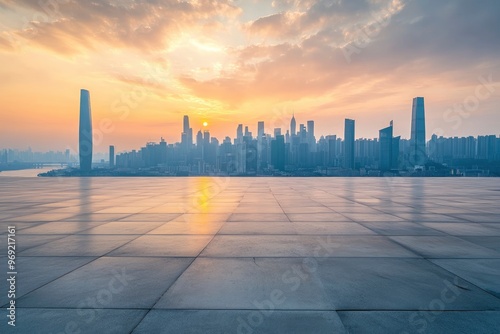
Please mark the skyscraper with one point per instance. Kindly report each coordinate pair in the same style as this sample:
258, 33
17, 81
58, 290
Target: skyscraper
260, 129
260, 134
311, 139
417, 140
349, 143
239, 133
85, 132
278, 152
293, 126
385, 153
111, 156
187, 133
185, 127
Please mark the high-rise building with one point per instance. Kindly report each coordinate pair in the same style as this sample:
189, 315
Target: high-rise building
417, 155
111, 156
260, 135
239, 133
349, 125
185, 124
293, 126
278, 152
85, 132
332, 150
311, 139
386, 148
277, 132
199, 139
260, 130
187, 133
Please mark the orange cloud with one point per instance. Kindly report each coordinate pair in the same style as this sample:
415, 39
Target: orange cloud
72, 26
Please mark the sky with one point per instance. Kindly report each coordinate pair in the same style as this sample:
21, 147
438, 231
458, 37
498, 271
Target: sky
147, 63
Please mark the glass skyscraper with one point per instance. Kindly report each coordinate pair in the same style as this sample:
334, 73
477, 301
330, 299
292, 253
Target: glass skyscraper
349, 144
85, 132
417, 156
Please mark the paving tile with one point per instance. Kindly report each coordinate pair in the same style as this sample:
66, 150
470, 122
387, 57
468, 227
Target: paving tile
24, 242
245, 284
267, 320
487, 242
317, 217
444, 247
258, 228
331, 228
398, 284
61, 227
400, 228
80, 245
121, 227
164, 245
150, 217
303, 246
37, 271
50, 320
364, 217
258, 217
483, 273
202, 217
181, 227
110, 283
471, 229
449, 322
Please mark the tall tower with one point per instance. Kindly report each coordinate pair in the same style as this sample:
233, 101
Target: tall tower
385, 152
260, 129
111, 156
85, 132
293, 126
349, 143
311, 139
185, 125
239, 133
187, 133
418, 156
260, 134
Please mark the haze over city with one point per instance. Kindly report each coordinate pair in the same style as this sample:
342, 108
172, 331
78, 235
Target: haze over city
149, 63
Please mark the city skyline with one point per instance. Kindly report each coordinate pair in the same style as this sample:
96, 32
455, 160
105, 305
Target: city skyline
230, 62
260, 127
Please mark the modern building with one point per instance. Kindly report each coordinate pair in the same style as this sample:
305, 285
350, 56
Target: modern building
417, 155
293, 126
311, 139
260, 137
111, 156
260, 129
187, 133
349, 126
85, 132
278, 152
388, 149
239, 133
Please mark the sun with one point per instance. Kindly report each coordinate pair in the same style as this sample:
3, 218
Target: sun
205, 124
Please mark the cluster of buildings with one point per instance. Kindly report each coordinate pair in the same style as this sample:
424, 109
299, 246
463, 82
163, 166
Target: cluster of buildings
292, 151
297, 151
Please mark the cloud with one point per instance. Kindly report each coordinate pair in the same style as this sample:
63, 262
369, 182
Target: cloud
72, 26
6, 42
398, 43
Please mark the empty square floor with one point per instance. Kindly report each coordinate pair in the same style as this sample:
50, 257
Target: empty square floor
251, 255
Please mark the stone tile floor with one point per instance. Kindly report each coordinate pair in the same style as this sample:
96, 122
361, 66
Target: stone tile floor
252, 255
